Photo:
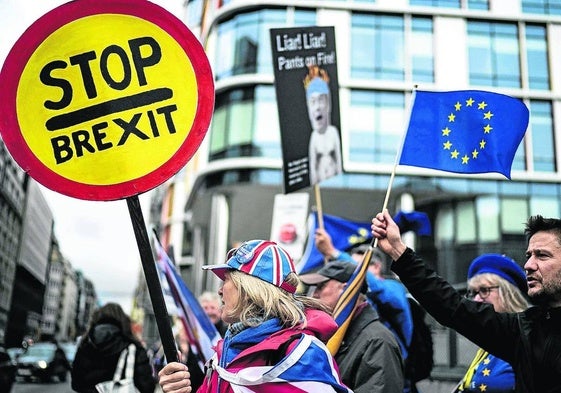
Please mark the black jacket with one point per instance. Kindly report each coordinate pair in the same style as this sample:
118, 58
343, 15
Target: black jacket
369, 357
530, 341
96, 360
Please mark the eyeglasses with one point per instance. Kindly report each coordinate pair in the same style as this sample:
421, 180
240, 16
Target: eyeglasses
483, 292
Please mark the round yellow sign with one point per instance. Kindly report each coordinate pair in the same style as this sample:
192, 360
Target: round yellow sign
110, 99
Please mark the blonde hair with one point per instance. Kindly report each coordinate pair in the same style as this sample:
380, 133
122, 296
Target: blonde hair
260, 299
511, 299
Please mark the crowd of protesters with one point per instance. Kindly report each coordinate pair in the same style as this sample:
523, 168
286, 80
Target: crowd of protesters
276, 325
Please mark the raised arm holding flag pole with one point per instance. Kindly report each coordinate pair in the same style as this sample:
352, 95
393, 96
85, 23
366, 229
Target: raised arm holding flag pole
528, 340
467, 131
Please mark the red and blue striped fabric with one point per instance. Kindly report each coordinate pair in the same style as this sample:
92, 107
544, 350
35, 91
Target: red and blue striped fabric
259, 258
308, 367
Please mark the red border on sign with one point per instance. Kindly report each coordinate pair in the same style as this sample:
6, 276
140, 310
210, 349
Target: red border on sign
22, 51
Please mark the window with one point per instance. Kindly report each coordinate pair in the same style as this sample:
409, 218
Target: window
546, 206
519, 162
493, 51
542, 136
232, 123
487, 208
465, 231
514, 212
471, 4
437, 3
266, 129
444, 228
536, 48
421, 50
194, 12
376, 126
478, 4
245, 123
377, 43
243, 43
546, 7
378, 47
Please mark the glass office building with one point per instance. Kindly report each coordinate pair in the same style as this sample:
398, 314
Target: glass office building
385, 49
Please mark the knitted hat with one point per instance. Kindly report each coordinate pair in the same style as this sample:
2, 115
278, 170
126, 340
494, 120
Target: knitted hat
500, 265
259, 258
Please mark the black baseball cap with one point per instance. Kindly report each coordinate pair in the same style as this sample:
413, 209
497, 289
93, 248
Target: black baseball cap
336, 270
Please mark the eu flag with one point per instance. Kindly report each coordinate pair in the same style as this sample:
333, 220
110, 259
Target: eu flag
467, 131
344, 234
415, 221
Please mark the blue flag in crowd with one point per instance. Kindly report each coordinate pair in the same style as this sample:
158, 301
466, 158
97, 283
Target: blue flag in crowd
344, 234
468, 131
200, 330
417, 222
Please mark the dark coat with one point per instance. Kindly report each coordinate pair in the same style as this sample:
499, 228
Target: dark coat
96, 360
530, 341
369, 357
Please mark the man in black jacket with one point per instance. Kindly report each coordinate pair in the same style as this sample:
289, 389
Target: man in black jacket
531, 340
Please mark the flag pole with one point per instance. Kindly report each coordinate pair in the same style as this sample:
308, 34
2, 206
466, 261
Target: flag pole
319, 211
318, 205
374, 242
350, 294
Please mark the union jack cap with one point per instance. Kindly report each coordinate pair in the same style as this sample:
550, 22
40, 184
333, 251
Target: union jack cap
259, 258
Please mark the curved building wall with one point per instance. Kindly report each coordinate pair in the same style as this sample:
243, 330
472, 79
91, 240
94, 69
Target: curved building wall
385, 49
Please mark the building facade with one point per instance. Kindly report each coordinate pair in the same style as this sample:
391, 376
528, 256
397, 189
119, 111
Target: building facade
385, 49
12, 202
41, 295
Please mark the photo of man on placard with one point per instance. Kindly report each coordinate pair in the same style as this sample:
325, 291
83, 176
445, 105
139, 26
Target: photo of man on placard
307, 92
325, 143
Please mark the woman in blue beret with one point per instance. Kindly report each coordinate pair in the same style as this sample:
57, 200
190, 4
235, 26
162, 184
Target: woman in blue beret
500, 281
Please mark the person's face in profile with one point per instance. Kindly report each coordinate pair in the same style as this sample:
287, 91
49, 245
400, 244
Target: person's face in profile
230, 296
329, 292
318, 111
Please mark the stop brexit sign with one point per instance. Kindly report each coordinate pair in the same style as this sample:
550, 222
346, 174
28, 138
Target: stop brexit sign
103, 100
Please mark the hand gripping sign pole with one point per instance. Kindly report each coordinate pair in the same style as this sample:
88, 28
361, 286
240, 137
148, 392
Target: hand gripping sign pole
105, 100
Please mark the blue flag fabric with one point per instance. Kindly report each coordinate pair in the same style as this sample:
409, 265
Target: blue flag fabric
417, 222
467, 131
344, 235
200, 331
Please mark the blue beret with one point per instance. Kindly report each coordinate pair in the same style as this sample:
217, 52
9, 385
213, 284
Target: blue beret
500, 265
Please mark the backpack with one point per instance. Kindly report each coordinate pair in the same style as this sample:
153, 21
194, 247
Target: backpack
420, 362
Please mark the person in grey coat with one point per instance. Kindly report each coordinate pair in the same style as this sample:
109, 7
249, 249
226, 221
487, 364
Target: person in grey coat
369, 357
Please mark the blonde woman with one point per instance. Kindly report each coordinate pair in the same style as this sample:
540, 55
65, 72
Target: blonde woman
497, 280
275, 340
